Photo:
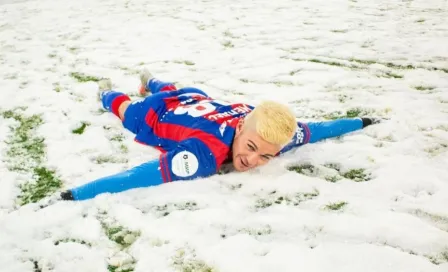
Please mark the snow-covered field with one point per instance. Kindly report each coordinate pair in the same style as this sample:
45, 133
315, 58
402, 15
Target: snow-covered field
374, 200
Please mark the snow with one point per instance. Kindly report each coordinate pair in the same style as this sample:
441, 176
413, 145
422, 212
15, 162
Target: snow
244, 51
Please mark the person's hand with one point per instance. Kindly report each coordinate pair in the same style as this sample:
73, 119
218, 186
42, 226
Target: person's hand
367, 121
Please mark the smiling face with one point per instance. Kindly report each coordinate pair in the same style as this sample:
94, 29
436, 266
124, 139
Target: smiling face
261, 135
250, 150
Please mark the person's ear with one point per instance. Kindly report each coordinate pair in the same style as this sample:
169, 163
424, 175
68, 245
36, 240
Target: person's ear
239, 126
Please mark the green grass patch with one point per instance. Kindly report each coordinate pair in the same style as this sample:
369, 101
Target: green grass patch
343, 98
36, 265
25, 154
120, 235
165, 210
436, 149
336, 206
332, 179
350, 113
335, 166
332, 63
112, 268
80, 129
228, 44
295, 72
80, 77
185, 260
366, 62
70, 240
304, 169
358, 175
424, 88
284, 199
389, 74
265, 230
57, 87
439, 221
438, 259
46, 183
101, 159
123, 239
398, 66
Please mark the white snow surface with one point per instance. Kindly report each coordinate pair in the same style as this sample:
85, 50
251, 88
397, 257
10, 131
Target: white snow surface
241, 51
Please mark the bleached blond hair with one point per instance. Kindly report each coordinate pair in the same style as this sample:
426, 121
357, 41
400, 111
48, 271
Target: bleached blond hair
274, 122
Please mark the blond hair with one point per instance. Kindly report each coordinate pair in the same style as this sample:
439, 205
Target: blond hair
274, 122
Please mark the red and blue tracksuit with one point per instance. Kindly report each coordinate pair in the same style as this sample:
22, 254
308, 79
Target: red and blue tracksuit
194, 133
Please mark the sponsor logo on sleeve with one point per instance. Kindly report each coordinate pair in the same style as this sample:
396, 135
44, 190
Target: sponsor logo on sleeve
184, 164
299, 135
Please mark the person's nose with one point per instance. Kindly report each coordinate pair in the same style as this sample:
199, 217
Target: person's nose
252, 159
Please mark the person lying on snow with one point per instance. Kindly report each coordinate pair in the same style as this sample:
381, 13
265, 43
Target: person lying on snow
197, 134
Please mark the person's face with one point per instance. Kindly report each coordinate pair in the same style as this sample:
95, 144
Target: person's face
249, 150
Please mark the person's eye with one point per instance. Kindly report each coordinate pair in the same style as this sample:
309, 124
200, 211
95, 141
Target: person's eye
266, 158
251, 148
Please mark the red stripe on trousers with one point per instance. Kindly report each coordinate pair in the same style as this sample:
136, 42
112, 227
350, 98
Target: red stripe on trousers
168, 88
116, 103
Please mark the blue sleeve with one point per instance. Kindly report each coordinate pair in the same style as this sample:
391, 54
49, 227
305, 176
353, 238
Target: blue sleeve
144, 175
317, 131
191, 159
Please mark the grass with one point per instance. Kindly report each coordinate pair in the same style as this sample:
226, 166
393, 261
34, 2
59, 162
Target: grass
46, 183
80, 129
80, 77
350, 113
439, 221
389, 74
332, 63
185, 260
332, 179
228, 44
305, 169
438, 259
265, 230
424, 88
37, 268
25, 154
358, 175
336, 206
288, 199
122, 237
334, 166
343, 98
57, 87
165, 210
70, 240
100, 159
112, 268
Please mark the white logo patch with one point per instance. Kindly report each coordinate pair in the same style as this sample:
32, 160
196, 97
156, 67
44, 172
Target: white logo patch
184, 164
299, 135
